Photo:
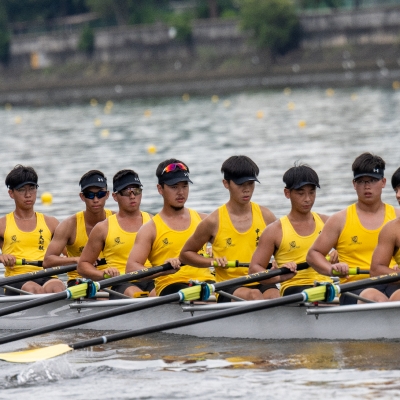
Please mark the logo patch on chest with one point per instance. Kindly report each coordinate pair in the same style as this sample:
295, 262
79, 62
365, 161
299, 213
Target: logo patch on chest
117, 241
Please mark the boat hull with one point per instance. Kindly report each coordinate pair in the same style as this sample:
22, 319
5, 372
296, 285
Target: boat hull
287, 322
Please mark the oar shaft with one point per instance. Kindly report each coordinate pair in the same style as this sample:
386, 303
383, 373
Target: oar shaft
25, 262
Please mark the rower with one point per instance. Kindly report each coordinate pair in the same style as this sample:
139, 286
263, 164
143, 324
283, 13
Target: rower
234, 230
289, 238
388, 247
115, 236
74, 231
25, 233
354, 231
162, 239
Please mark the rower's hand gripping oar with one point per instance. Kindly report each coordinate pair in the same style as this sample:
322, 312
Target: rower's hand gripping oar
192, 293
319, 293
84, 289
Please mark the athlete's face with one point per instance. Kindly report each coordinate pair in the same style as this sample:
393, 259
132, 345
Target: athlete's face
240, 193
302, 199
99, 198
369, 189
175, 195
25, 196
127, 199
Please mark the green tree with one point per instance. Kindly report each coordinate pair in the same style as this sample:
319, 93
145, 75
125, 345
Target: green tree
86, 40
273, 23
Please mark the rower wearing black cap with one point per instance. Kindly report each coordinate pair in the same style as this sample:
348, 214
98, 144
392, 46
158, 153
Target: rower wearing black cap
354, 231
115, 236
162, 239
74, 231
234, 230
289, 238
25, 233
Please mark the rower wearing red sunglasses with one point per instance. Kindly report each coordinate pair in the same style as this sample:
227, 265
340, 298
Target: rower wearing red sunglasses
162, 239
73, 232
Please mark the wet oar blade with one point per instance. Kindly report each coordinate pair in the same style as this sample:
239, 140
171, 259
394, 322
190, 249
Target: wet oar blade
34, 355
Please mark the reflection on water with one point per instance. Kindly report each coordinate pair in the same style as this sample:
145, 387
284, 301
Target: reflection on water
62, 143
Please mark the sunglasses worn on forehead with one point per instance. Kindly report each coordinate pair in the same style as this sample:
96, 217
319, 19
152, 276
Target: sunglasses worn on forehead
173, 167
127, 192
91, 195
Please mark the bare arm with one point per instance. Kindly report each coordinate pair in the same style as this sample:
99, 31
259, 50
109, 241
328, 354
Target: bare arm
61, 238
324, 243
387, 245
204, 233
91, 252
5, 259
52, 223
268, 215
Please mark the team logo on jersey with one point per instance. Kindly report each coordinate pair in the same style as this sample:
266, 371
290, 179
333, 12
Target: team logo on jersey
229, 243
257, 236
117, 241
165, 243
292, 245
14, 239
354, 240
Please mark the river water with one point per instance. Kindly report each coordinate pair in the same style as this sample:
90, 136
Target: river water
325, 129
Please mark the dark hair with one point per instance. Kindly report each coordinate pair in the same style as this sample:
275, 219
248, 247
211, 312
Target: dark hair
163, 164
122, 173
366, 162
396, 178
20, 174
91, 173
238, 166
300, 175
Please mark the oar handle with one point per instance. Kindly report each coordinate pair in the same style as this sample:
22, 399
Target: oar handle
26, 262
352, 271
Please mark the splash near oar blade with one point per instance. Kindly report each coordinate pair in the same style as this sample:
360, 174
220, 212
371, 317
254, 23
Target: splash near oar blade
28, 356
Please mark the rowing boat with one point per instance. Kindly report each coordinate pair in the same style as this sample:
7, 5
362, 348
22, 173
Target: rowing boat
326, 322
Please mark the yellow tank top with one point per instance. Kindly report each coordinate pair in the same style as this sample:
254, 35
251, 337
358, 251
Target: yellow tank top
294, 247
29, 245
356, 243
119, 244
81, 238
235, 245
168, 244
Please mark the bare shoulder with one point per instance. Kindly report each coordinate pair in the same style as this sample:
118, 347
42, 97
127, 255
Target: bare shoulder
100, 230
336, 221
273, 229
397, 211
324, 217
2, 226
268, 215
203, 215
147, 231
51, 222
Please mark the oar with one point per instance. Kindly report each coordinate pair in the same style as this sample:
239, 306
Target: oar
313, 294
191, 293
42, 273
75, 292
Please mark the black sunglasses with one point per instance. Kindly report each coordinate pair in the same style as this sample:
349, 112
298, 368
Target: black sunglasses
91, 195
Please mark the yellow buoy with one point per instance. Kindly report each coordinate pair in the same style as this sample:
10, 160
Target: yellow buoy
147, 113
152, 149
330, 92
396, 85
109, 104
260, 114
302, 124
105, 133
18, 120
354, 96
291, 105
8, 107
47, 198
185, 97
287, 91
93, 102
97, 122
227, 103
214, 98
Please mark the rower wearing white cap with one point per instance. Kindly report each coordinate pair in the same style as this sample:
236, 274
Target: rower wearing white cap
115, 236
74, 231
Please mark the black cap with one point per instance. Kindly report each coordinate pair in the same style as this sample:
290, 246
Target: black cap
126, 180
296, 186
374, 173
94, 180
173, 177
23, 184
239, 180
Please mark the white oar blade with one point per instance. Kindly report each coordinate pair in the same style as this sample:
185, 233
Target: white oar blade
28, 356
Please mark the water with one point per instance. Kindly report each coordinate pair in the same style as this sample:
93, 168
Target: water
62, 143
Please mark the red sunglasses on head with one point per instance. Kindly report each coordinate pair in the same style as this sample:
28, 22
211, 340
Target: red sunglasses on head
173, 167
